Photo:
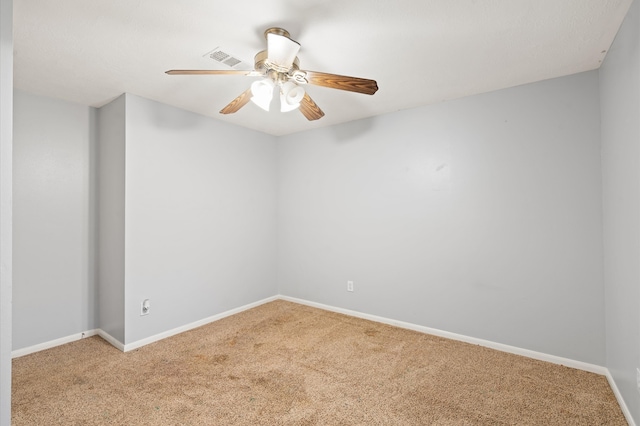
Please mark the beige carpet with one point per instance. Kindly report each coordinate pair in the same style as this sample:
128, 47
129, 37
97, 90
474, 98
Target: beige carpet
287, 364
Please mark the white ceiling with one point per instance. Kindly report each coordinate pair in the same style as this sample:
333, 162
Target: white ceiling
419, 51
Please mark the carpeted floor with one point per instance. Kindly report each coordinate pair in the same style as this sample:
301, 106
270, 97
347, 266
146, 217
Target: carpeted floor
288, 364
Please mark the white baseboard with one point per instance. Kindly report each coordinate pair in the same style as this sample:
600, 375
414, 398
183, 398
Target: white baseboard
623, 405
460, 337
187, 327
135, 345
109, 338
486, 343
52, 343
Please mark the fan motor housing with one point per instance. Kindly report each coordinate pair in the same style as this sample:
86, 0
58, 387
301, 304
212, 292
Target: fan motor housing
260, 62
277, 30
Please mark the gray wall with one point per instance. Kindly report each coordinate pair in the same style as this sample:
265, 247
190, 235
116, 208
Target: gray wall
110, 212
53, 273
200, 217
200, 214
620, 106
6, 126
193, 212
480, 216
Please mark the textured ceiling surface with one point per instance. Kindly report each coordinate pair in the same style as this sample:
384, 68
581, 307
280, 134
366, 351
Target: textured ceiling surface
420, 52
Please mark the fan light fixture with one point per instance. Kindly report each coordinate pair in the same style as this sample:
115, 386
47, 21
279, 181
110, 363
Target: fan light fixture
290, 96
262, 91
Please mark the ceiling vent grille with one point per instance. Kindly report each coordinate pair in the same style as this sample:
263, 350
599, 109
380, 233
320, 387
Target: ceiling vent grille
225, 58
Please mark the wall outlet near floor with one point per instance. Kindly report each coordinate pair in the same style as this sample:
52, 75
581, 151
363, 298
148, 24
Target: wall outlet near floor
349, 285
145, 307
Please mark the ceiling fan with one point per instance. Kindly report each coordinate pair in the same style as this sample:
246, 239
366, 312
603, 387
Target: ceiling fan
279, 68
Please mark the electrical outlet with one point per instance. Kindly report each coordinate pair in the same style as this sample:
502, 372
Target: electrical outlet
349, 285
145, 307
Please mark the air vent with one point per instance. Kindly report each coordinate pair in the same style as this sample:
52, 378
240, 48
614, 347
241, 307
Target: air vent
223, 57
219, 56
232, 62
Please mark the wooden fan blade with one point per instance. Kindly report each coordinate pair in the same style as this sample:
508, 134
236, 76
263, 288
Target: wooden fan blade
215, 72
342, 82
237, 103
310, 109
